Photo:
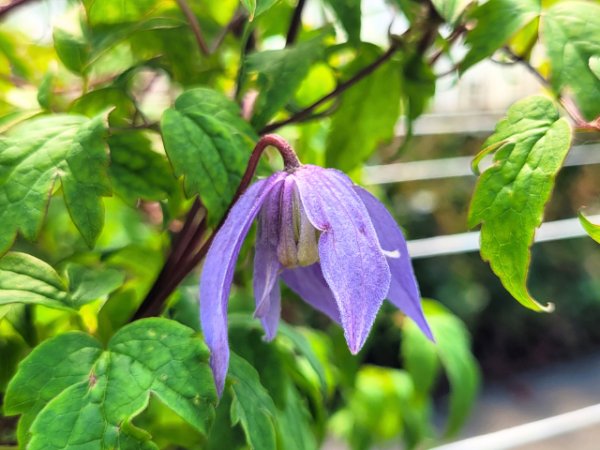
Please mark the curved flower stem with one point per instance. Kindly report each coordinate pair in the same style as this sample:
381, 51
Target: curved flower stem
189, 250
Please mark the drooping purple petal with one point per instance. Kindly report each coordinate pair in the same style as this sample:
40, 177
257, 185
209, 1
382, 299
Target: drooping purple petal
308, 283
404, 291
266, 264
217, 274
353, 265
271, 319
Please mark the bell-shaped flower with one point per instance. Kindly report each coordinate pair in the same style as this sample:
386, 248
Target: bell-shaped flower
331, 242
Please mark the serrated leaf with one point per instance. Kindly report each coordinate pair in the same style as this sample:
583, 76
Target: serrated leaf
71, 392
349, 14
44, 96
497, 22
209, 144
251, 406
28, 280
137, 171
280, 73
367, 113
450, 10
509, 199
73, 51
69, 148
571, 34
452, 350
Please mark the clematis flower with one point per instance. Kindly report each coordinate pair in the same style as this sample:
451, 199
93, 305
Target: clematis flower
331, 242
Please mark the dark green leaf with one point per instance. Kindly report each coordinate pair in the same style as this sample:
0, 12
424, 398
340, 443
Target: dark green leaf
137, 171
571, 33
497, 22
209, 144
349, 14
367, 113
72, 392
293, 423
280, 75
530, 144
73, 51
66, 147
12, 349
418, 88
452, 349
251, 406
25, 279
44, 96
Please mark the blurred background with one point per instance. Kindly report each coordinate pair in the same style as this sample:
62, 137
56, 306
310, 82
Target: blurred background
534, 365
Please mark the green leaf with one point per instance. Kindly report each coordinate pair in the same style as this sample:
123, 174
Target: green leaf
44, 96
73, 51
349, 14
367, 113
450, 10
452, 349
113, 12
137, 171
497, 22
251, 406
12, 350
71, 392
294, 423
99, 100
418, 88
280, 73
595, 66
69, 148
25, 279
261, 5
592, 229
530, 144
209, 144
571, 34
250, 6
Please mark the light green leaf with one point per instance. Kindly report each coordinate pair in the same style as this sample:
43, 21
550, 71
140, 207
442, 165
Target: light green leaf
209, 144
69, 148
99, 100
571, 34
73, 51
262, 5
25, 279
250, 6
137, 171
280, 73
450, 10
367, 113
251, 406
591, 228
497, 22
71, 392
595, 66
114, 12
44, 96
349, 14
530, 144
452, 349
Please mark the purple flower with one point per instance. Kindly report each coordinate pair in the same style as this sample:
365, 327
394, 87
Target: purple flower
332, 242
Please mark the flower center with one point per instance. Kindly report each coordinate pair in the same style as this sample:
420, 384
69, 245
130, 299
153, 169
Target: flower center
297, 237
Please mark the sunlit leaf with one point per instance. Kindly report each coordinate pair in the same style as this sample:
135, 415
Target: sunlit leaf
99, 100
25, 279
571, 34
280, 73
509, 199
69, 148
114, 12
209, 144
595, 66
349, 14
251, 406
591, 228
73, 51
497, 22
71, 391
44, 96
452, 350
450, 9
367, 113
